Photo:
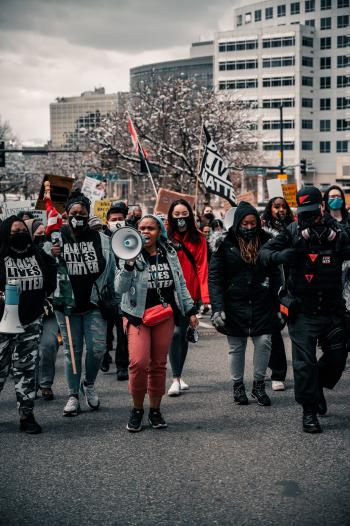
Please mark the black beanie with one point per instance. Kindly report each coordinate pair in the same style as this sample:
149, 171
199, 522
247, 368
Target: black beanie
76, 197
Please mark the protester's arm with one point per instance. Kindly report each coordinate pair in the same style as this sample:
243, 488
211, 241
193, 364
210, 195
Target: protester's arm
49, 269
201, 259
216, 280
123, 277
278, 251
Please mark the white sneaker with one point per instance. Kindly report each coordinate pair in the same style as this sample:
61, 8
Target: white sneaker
72, 407
90, 396
277, 385
175, 389
183, 385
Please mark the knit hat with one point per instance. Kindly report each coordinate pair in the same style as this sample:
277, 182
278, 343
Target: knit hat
76, 197
95, 221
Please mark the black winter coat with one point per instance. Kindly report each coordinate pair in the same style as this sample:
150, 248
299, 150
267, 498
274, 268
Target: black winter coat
246, 293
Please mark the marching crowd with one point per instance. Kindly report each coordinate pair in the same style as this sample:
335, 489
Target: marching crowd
257, 275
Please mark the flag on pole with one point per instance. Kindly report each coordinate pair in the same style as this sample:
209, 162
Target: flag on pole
214, 172
141, 152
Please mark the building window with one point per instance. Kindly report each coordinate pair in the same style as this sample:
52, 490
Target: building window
277, 103
326, 43
307, 81
275, 146
278, 62
343, 3
342, 21
342, 146
306, 145
281, 10
247, 18
307, 124
343, 61
239, 20
306, 103
326, 4
238, 64
268, 13
308, 42
257, 15
343, 81
238, 84
325, 62
326, 23
295, 8
275, 82
343, 103
325, 82
278, 42
325, 104
275, 125
343, 124
309, 6
308, 62
239, 45
325, 125
325, 146
310, 22
343, 41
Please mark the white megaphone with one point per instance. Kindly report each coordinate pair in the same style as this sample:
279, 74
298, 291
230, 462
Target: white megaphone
229, 216
10, 323
127, 242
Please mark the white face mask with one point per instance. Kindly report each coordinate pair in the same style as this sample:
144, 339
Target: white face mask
114, 225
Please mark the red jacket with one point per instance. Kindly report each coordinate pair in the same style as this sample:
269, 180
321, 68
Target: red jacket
196, 278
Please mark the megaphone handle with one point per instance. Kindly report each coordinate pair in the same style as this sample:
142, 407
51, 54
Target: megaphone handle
71, 348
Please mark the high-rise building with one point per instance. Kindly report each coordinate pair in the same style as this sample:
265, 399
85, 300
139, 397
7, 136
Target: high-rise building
69, 114
294, 54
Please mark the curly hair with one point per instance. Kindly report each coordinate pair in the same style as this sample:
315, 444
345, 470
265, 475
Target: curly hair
267, 213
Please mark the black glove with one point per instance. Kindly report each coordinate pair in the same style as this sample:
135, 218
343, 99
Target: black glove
285, 257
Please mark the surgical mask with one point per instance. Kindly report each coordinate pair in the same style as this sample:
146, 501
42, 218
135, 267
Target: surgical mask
114, 225
247, 233
335, 203
20, 242
182, 223
78, 222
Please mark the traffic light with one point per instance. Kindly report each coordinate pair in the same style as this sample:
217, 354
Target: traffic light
2, 154
303, 167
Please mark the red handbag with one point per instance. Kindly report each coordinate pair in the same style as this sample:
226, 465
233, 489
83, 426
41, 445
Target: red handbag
156, 315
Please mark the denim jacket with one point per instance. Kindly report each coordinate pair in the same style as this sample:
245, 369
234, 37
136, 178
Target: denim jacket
133, 285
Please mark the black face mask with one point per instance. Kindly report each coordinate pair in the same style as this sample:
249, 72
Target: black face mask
182, 222
247, 233
308, 219
20, 242
209, 216
78, 223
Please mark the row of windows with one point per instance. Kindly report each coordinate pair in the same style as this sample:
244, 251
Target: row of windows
325, 125
343, 81
342, 41
325, 146
238, 84
271, 62
343, 103
274, 146
342, 62
278, 62
240, 45
278, 42
277, 103
275, 125
295, 9
325, 104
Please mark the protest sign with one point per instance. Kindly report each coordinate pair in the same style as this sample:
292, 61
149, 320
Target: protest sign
60, 188
249, 197
10, 208
101, 207
274, 188
166, 197
93, 187
290, 194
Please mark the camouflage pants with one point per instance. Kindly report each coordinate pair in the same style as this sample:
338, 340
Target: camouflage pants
21, 352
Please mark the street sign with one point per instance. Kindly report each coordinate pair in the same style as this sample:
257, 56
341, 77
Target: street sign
254, 171
282, 177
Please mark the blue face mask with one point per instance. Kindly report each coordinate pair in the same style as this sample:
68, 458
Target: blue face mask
335, 203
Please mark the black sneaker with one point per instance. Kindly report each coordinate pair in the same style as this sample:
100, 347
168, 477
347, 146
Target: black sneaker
156, 420
47, 394
122, 375
29, 425
259, 393
310, 421
105, 362
239, 395
322, 404
135, 420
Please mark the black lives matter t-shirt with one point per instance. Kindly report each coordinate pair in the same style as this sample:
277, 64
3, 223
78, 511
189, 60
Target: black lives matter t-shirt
162, 274
85, 263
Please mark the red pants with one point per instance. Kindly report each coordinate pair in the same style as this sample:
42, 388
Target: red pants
148, 351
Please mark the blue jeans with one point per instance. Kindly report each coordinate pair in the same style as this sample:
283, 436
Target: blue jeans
91, 327
48, 351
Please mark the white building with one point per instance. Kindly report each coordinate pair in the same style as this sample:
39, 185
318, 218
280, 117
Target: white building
69, 114
294, 54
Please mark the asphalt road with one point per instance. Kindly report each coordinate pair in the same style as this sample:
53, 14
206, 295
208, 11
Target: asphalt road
216, 464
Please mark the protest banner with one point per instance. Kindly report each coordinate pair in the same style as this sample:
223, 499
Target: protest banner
60, 188
93, 187
166, 197
290, 194
101, 207
249, 197
10, 208
274, 188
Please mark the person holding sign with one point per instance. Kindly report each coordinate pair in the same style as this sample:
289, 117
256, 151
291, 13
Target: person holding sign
27, 265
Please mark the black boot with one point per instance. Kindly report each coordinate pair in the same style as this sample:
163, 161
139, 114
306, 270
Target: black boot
239, 396
310, 421
259, 393
105, 362
29, 425
322, 404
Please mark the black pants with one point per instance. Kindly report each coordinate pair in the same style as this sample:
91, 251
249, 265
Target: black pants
278, 360
121, 349
305, 330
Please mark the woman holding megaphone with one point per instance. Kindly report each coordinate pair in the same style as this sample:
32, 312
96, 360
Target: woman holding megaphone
154, 296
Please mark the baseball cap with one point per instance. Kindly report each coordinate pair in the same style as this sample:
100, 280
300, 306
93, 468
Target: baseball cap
309, 199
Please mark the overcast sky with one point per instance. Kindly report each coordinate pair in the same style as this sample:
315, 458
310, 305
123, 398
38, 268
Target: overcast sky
51, 48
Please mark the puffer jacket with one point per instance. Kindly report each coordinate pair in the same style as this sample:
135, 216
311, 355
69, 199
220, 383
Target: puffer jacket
247, 293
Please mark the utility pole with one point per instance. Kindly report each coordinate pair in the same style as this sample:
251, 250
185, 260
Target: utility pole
281, 141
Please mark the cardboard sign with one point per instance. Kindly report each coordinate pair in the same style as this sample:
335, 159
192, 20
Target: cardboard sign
166, 197
274, 188
249, 197
101, 208
12, 208
60, 187
94, 189
290, 194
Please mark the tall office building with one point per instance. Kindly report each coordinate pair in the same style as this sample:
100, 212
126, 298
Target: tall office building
69, 114
293, 54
